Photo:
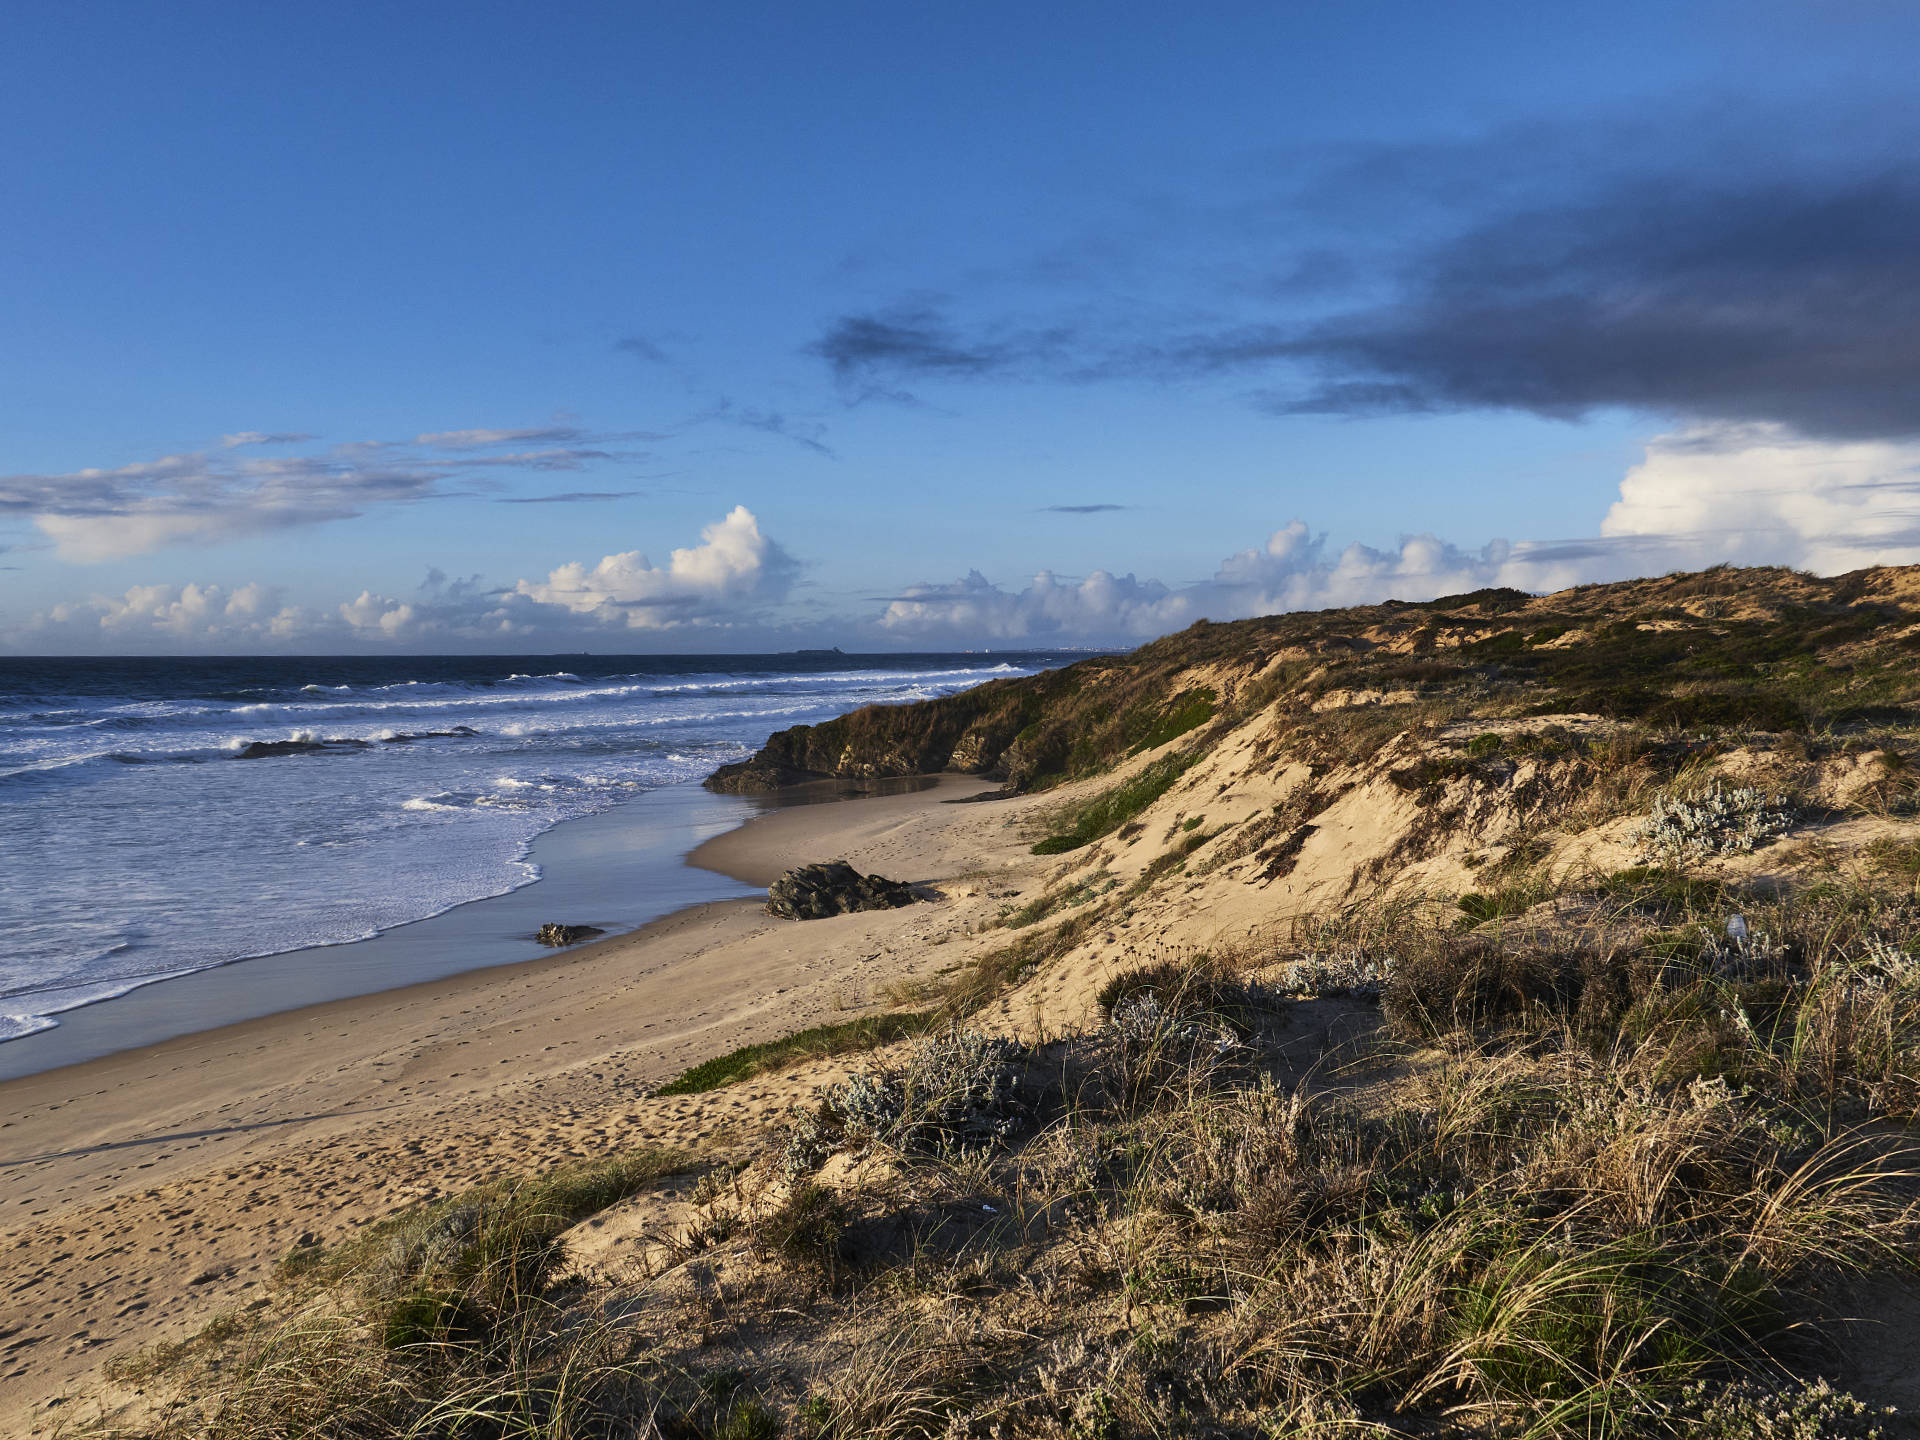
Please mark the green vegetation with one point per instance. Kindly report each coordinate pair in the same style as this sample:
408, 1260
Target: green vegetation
1184, 713
1112, 808
848, 1037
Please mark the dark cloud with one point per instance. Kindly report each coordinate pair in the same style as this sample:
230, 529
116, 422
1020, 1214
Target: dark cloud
572, 497
1796, 302
1081, 509
907, 340
642, 348
1657, 268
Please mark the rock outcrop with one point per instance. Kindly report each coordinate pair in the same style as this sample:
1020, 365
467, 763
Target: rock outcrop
813, 892
567, 934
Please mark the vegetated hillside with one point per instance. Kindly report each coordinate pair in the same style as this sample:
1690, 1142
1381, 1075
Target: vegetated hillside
1492, 1018
1765, 648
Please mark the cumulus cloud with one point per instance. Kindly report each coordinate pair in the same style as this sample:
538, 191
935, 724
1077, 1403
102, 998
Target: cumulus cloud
1291, 570
734, 568
1742, 494
1102, 606
729, 581
1747, 494
193, 616
1761, 494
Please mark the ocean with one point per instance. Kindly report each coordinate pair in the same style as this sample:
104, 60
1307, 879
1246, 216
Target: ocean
165, 816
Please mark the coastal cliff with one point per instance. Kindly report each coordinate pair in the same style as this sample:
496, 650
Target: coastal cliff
1721, 647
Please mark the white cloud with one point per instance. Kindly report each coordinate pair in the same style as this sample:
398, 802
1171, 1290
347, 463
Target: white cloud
1289, 572
1750, 495
480, 439
1101, 605
1761, 494
261, 437
734, 569
205, 615
376, 615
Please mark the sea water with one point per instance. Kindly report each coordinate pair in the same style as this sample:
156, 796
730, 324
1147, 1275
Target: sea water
161, 816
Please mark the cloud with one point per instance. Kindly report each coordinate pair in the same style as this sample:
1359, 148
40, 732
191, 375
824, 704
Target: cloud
199, 616
1760, 494
1102, 606
257, 437
810, 434
371, 614
804, 433
480, 439
907, 339
226, 493
1289, 571
570, 497
1754, 268
1748, 494
1794, 302
1753, 494
1081, 509
734, 569
641, 346
203, 498
730, 581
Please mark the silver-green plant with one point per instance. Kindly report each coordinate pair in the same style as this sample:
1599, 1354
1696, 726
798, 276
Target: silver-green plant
1719, 820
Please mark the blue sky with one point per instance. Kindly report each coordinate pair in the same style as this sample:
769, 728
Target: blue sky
677, 327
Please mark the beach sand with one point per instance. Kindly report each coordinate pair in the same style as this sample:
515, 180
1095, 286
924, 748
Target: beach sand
147, 1191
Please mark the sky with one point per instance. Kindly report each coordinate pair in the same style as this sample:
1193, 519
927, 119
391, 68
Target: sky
725, 327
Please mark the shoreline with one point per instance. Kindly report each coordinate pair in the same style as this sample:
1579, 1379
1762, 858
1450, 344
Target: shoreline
621, 869
147, 1190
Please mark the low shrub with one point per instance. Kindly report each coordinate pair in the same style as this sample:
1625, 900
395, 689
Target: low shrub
957, 1090
1718, 820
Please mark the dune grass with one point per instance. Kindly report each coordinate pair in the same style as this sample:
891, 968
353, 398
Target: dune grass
846, 1037
1115, 806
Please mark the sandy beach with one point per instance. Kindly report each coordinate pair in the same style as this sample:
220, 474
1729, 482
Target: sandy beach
149, 1190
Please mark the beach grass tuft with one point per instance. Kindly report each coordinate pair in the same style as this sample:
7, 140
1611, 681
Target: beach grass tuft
847, 1037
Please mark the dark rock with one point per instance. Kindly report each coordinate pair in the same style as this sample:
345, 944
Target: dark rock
264, 749
567, 934
813, 892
